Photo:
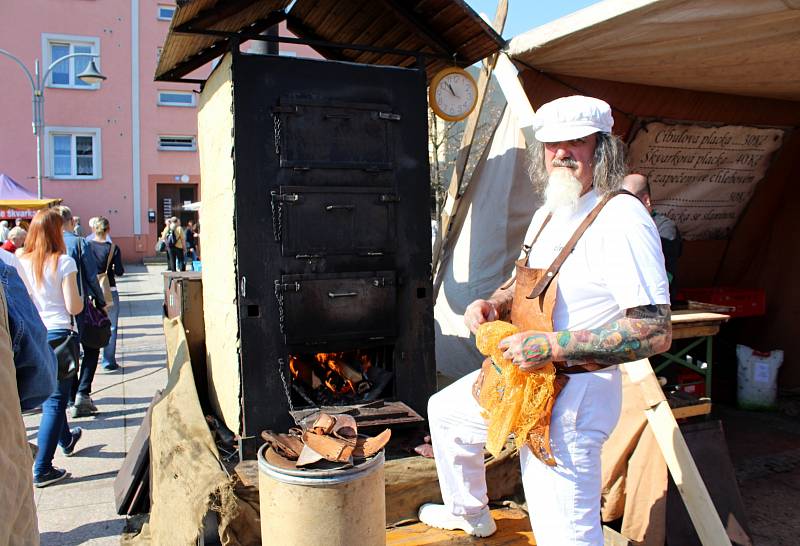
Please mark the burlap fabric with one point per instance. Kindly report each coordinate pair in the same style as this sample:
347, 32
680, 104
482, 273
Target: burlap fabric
18, 523
187, 477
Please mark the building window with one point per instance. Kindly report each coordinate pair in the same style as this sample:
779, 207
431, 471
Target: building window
73, 153
176, 98
165, 12
65, 73
177, 143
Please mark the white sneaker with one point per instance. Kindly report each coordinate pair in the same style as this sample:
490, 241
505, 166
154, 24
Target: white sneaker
438, 515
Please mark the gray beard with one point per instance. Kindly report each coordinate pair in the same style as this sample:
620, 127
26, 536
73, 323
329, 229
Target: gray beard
563, 190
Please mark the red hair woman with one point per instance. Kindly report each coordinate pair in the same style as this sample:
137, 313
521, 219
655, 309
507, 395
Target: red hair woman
54, 290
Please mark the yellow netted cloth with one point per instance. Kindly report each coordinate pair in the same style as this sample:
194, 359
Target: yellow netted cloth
514, 401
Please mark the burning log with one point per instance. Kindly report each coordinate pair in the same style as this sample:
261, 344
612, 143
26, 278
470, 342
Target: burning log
338, 378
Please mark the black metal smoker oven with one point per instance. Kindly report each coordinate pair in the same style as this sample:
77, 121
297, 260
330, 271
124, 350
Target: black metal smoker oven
332, 226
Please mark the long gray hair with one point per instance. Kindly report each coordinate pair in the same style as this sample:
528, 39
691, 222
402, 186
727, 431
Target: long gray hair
608, 164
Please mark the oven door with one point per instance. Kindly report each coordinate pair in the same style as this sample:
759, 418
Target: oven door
324, 221
338, 306
334, 135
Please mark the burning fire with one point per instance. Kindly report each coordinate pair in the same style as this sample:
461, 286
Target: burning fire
338, 372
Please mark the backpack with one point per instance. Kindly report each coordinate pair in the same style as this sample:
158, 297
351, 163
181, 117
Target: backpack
105, 283
171, 240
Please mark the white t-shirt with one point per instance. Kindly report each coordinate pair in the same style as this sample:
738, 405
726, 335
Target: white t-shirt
49, 296
617, 264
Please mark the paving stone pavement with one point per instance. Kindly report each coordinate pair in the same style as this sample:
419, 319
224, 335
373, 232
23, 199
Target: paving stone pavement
81, 509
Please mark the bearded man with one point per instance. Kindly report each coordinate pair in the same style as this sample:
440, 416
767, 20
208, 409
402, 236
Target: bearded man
590, 292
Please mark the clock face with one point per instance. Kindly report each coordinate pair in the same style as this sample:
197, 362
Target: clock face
454, 95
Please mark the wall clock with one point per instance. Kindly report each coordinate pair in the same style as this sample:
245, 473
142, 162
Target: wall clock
453, 94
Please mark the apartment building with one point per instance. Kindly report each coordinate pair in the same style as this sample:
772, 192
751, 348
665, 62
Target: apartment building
125, 148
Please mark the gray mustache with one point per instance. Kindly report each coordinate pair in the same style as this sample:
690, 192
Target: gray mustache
568, 163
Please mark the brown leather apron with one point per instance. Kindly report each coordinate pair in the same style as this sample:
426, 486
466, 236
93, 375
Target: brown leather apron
532, 309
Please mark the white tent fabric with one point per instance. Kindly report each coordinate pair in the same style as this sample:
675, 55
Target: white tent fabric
739, 47
480, 253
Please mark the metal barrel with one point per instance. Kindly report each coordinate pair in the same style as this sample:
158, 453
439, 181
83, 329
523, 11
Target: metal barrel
316, 507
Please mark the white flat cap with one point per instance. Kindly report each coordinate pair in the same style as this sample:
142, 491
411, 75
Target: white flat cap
569, 118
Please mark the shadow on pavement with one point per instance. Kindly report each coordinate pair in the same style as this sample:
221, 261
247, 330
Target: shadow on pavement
81, 534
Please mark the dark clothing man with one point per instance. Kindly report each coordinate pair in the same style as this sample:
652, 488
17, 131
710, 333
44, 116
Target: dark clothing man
671, 246
79, 250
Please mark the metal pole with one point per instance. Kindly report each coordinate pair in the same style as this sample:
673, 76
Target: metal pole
38, 117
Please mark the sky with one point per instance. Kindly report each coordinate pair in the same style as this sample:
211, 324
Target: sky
524, 15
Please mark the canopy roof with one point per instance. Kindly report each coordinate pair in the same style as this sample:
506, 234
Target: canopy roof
17, 202
738, 47
449, 30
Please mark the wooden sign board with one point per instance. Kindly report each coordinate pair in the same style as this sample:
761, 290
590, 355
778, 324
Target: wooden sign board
702, 177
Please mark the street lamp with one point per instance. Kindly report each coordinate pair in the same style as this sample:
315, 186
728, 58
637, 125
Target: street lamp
89, 75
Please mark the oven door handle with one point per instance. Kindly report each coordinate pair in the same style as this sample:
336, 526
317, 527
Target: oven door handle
342, 294
339, 207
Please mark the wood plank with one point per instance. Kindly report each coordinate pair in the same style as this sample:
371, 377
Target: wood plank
247, 472
613, 538
513, 529
689, 315
676, 454
684, 412
453, 201
694, 331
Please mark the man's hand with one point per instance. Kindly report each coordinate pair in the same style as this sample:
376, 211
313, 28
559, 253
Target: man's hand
478, 312
528, 350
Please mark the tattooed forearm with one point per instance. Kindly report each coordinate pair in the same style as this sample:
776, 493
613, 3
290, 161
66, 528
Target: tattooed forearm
643, 332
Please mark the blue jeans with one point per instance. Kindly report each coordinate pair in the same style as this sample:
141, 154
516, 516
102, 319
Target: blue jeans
82, 383
53, 428
110, 350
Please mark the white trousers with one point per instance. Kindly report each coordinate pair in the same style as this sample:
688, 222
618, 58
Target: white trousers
563, 501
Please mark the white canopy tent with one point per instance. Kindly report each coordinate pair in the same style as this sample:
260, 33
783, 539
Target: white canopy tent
739, 47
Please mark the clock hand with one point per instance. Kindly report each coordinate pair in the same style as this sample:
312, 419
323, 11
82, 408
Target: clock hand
450, 87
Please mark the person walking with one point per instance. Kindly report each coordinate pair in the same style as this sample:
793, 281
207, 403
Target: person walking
174, 238
78, 250
52, 276
78, 228
3, 230
109, 256
189, 235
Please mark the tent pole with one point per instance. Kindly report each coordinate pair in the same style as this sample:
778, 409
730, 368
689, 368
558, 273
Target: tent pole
453, 200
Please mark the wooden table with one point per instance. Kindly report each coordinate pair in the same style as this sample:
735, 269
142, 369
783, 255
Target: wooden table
688, 324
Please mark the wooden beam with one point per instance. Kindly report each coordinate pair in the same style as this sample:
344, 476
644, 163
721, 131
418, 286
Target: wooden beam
453, 200
679, 460
419, 27
297, 27
216, 49
221, 11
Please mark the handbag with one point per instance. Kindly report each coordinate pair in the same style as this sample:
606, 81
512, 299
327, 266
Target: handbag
68, 354
161, 246
96, 331
103, 280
